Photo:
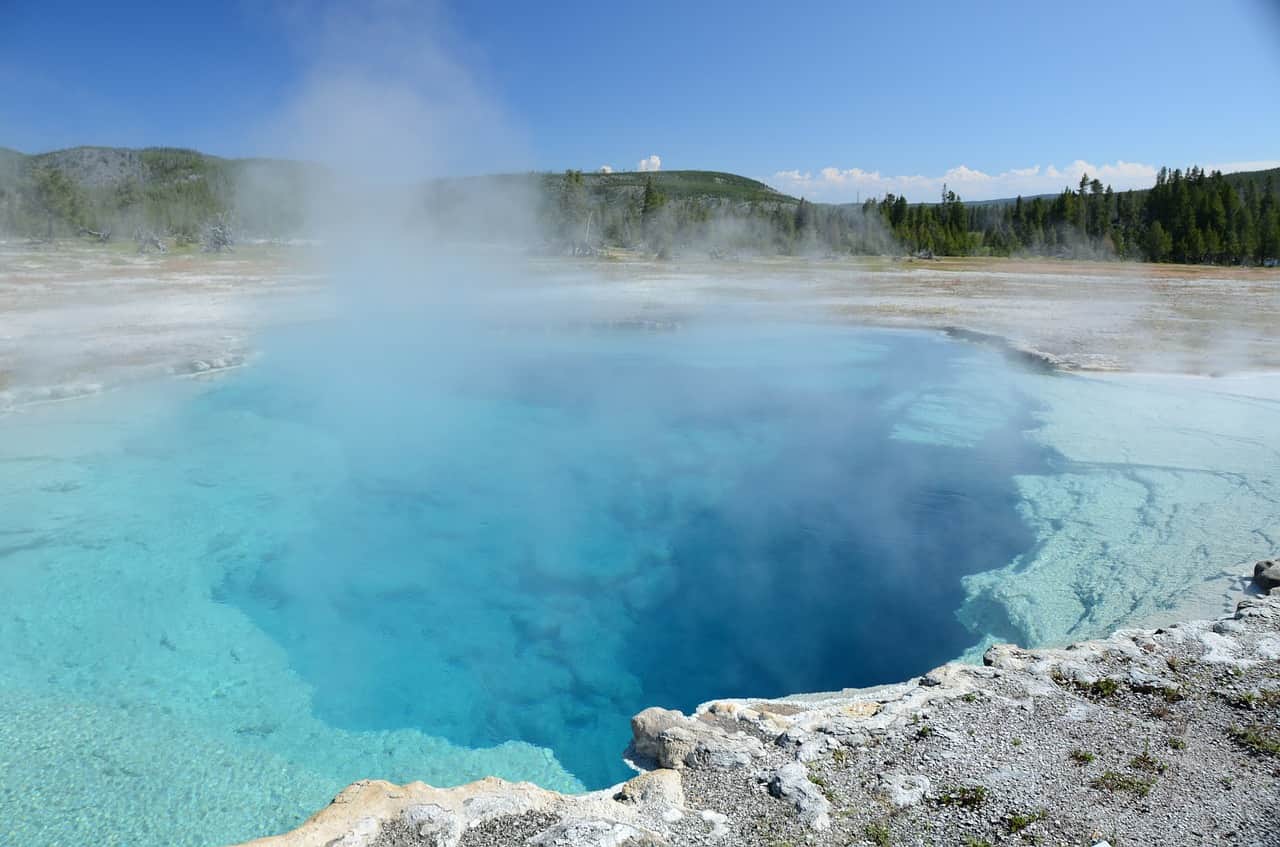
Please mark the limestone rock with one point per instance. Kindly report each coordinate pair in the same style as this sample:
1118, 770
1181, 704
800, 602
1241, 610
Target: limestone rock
433, 824
719, 823
791, 782
671, 740
662, 786
1266, 574
903, 790
647, 728
592, 833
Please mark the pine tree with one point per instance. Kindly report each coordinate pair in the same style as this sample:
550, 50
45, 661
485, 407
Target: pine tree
804, 217
1159, 243
572, 204
650, 204
1269, 234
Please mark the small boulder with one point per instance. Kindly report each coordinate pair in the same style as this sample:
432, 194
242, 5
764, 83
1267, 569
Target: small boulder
719, 823
1266, 574
791, 782
647, 728
591, 833
670, 740
660, 787
431, 823
903, 790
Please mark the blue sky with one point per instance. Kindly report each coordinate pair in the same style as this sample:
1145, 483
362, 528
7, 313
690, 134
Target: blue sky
829, 99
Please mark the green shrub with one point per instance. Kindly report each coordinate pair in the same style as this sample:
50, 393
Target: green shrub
1115, 781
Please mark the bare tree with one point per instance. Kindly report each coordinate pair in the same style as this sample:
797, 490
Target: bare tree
148, 241
98, 235
217, 235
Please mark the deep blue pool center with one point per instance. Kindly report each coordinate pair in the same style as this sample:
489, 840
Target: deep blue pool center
533, 538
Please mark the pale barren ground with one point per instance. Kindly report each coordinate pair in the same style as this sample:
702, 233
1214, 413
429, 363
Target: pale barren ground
76, 318
1087, 315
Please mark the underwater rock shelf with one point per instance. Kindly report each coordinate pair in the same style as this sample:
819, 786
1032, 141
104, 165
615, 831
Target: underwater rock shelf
1167, 736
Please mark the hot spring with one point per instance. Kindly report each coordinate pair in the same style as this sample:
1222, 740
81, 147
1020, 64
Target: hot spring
481, 551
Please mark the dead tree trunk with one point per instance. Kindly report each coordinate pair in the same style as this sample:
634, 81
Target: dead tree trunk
217, 235
148, 241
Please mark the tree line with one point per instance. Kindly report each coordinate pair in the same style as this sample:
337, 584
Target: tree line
1190, 216
1194, 217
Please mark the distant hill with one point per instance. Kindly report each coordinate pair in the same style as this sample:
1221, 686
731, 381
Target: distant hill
685, 184
177, 191
1240, 179
176, 194
165, 189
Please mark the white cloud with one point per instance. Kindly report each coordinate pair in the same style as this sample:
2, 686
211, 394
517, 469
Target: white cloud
606, 169
842, 185
652, 163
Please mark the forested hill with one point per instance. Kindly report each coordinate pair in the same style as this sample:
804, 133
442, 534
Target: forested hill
165, 193
170, 191
1193, 216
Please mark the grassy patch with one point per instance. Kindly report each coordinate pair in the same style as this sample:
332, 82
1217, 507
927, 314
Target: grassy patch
1176, 743
1081, 757
1148, 763
1170, 693
823, 786
877, 834
1254, 699
1114, 781
1257, 739
965, 796
1017, 822
1099, 689
1105, 687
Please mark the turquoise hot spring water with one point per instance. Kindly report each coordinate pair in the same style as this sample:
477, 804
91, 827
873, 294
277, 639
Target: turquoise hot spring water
481, 552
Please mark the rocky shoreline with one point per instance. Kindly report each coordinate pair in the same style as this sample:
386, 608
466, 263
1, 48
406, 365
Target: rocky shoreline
1168, 736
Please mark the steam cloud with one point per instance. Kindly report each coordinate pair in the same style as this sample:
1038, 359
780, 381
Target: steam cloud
651, 163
